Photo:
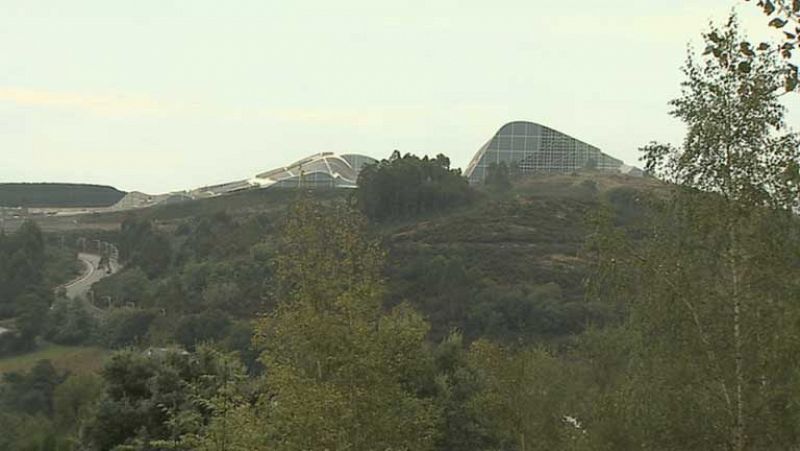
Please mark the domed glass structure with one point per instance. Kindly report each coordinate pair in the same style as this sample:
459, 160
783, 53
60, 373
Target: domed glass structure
531, 147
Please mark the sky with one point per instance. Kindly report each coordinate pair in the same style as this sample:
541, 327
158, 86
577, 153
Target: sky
165, 95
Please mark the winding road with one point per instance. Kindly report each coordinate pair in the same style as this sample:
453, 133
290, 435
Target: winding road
93, 273
80, 287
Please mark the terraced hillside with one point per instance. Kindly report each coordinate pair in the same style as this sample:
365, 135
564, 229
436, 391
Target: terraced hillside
513, 265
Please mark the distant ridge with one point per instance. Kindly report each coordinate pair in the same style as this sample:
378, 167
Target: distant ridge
61, 195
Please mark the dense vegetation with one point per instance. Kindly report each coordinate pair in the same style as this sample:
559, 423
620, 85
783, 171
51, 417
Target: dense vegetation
408, 186
577, 312
61, 195
29, 272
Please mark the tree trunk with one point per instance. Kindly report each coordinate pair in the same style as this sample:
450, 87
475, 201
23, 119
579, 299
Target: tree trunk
739, 427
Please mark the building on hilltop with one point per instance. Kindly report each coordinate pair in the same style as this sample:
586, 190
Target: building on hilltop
530, 147
322, 170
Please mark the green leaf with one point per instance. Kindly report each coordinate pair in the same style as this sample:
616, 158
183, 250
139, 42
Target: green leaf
744, 67
769, 8
777, 23
791, 83
763, 46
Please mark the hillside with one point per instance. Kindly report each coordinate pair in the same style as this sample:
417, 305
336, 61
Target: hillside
508, 266
512, 265
57, 195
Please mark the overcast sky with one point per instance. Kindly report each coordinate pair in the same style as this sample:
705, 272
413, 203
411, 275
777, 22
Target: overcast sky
162, 95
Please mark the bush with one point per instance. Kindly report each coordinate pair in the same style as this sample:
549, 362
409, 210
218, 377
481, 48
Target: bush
128, 287
210, 325
126, 327
70, 322
12, 343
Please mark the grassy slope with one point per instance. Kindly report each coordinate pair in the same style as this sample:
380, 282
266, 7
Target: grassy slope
538, 225
257, 201
535, 235
76, 359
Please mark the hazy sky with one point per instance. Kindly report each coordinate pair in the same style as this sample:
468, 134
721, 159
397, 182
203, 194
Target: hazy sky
161, 95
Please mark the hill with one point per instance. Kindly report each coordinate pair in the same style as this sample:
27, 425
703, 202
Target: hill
510, 265
57, 195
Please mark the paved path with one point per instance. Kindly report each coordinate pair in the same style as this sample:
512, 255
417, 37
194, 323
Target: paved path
92, 273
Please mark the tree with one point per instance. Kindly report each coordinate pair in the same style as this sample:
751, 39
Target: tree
458, 386
22, 261
31, 310
74, 399
125, 327
407, 186
143, 246
340, 373
30, 392
157, 401
714, 321
69, 321
523, 397
784, 15
194, 329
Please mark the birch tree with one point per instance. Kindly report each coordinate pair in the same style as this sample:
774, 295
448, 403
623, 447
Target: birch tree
712, 290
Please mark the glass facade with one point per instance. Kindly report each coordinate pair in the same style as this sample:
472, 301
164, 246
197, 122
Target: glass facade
323, 170
532, 147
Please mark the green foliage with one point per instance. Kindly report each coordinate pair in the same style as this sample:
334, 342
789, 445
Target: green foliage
735, 145
714, 326
129, 287
524, 398
219, 235
140, 244
63, 195
29, 433
125, 327
155, 400
784, 15
22, 264
69, 321
61, 264
511, 268
74, 400
210, 325
27, 403
30, 392
498, 177
407, 186
458, 386
218, 264
340, 373
31, 310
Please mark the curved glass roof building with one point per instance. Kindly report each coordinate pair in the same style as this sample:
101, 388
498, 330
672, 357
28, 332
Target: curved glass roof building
532, 147
322, 170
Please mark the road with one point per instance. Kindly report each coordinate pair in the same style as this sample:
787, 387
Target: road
80, 286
